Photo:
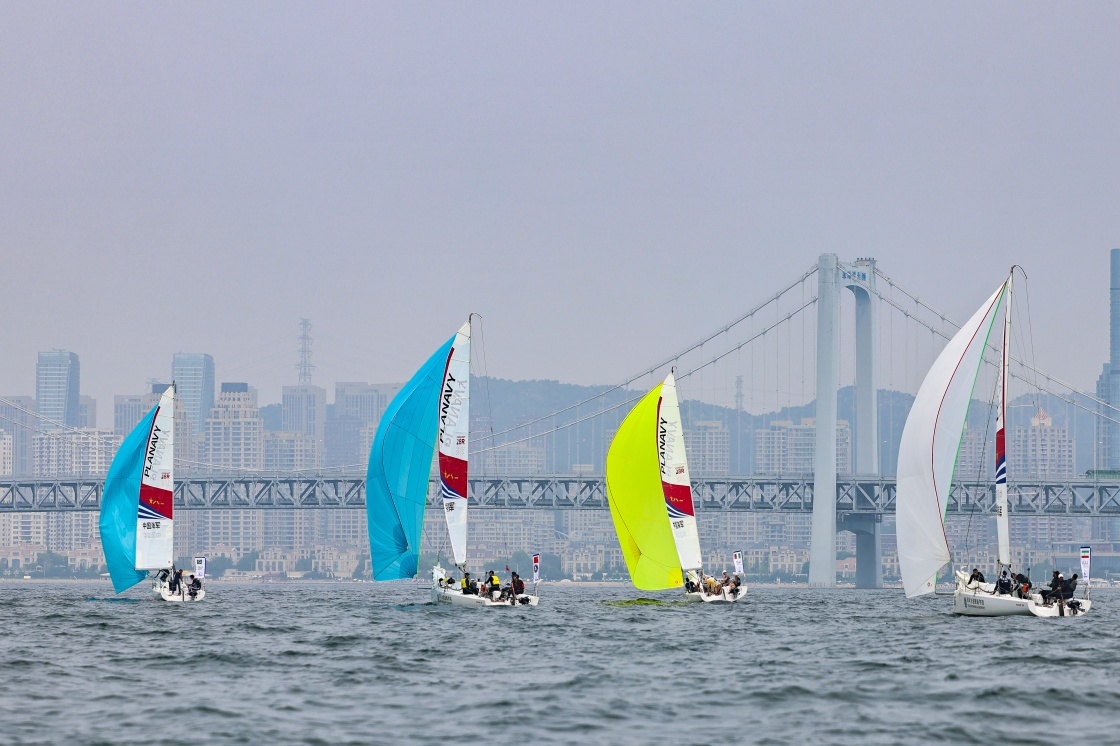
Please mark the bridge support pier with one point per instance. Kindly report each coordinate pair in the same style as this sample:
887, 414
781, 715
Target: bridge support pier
869, 548
860, 279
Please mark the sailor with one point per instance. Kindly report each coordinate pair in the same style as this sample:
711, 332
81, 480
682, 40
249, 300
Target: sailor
465, 583
1069, 587
1003, 585
726, 582
1048, 596
736, 584
194, 586
173, 580
516, 585
1022, 585
495, 583
976, 576
710, 584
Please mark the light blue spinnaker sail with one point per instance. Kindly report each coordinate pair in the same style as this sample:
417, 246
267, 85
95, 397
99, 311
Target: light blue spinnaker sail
400, 464
120, 502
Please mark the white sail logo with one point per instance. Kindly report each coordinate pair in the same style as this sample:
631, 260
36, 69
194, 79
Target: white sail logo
156, 447
450, 407
664, 444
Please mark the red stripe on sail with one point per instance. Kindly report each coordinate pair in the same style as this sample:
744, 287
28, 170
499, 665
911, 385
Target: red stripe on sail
159, 500
453, 472
679, 496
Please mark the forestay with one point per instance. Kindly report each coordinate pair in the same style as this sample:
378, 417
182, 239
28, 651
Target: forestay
928, 451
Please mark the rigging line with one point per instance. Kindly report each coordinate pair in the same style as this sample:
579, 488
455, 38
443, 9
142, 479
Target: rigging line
654, 368
485, 371
59, 425
639, 395
1027, 366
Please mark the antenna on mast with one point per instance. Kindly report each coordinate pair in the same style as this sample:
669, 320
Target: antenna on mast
305, 366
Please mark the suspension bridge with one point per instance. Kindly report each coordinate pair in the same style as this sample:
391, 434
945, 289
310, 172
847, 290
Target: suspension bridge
749, 347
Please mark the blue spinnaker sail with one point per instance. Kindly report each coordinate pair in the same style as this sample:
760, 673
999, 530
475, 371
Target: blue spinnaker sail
119, 504
400, 464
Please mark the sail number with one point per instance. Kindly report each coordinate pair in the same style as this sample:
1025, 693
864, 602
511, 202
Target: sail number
678, 524
149, 525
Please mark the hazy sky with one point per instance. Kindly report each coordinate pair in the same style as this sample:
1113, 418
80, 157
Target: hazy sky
603, 182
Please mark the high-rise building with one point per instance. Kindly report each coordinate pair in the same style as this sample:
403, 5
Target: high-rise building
1108, 384
234, 434
787, 448
976, 456
6, 465
17, 416
128, 410
520, 459
80, 453
708, 446
87, 411
1041, 450
57, 380
193, 374
305, 411
285, 450
352, 420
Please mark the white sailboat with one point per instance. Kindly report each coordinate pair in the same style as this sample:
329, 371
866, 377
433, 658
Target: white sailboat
432, 409
926, 462
137, 524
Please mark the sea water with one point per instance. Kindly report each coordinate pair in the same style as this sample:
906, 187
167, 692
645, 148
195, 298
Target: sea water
372, 663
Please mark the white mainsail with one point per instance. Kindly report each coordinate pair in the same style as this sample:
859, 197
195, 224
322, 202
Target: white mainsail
454, 428
155, 529
1003, 532
928, 452
675, 482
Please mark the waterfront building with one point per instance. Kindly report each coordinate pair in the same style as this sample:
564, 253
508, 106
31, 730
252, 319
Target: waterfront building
193, 374
87, 411
520, 459
57, 382
976, 457
85, 452
784, 447
234, 432
128, 410
708, 445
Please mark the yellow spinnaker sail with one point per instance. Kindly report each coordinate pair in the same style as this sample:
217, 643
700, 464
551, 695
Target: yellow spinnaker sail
638, 502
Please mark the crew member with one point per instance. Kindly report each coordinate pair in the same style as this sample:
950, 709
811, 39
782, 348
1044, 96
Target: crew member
495, 583
976, 576
1003, 585
465, 583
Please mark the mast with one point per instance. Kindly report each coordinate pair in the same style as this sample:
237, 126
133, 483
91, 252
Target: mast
675, 482
1003, 552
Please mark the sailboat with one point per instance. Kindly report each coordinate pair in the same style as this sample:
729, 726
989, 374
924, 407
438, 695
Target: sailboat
650, 497
432, 407
927, 461
137, 521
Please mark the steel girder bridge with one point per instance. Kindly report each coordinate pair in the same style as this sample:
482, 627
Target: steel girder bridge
857, 499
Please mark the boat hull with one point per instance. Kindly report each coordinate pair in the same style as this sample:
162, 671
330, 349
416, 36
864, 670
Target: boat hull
455, 597
182, 596
979, 599
723, 597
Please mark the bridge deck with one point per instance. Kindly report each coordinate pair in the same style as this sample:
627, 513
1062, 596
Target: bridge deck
1083, 497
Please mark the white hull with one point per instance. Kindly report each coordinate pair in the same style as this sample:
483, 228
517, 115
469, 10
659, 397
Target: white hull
180, 596
456, 597
445, 591
979, 599
723, 597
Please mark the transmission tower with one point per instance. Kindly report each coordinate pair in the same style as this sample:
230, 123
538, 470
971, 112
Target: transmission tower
305, 366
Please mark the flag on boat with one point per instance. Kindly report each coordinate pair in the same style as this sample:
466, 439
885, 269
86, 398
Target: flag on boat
200, 567
536, 568
1086, 561
738, 557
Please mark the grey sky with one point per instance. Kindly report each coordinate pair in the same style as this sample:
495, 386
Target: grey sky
603, 182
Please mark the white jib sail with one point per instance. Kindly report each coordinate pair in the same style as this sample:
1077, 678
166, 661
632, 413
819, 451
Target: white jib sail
155, 527
927, 454
454, 429
675, 480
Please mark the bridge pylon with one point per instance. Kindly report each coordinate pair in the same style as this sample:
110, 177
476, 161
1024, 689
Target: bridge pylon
859, 277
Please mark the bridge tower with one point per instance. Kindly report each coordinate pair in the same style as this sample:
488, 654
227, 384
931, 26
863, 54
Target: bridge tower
832, 275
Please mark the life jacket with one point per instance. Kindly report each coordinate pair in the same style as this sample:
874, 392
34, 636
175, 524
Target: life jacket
464, 584
494, 582
518, 585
